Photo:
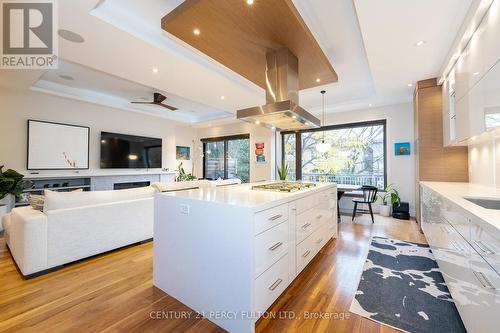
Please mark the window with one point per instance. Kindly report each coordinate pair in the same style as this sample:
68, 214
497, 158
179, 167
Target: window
357, 155
227, 157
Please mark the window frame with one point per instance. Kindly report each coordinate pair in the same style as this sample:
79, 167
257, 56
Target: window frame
298, 142
225, 139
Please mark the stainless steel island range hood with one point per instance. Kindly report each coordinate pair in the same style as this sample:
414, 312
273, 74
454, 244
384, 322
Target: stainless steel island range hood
282, 111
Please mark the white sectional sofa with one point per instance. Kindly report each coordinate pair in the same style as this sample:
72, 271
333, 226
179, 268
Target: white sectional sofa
78, 225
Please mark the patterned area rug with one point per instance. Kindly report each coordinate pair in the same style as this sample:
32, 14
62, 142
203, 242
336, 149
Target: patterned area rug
401, 286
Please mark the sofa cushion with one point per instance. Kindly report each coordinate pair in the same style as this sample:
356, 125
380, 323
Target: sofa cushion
36, 201
62, 200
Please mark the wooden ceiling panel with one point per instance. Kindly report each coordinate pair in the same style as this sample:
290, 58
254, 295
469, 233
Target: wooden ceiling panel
239, 35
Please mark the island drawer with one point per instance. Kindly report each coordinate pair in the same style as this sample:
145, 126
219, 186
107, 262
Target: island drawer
269, 218
270, 246
309, 221
270, 285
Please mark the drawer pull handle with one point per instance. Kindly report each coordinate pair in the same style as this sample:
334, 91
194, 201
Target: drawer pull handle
319, 241
305, 226
306, 254
483, 247
457, 246
319, 216
275, 246
484, 280
275, 217
275, 284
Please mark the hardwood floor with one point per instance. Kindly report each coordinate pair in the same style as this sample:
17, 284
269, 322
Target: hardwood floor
114, 292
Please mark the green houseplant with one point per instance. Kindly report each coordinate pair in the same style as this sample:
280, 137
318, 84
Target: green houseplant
388, 197
11, 186
283, 171
183, 176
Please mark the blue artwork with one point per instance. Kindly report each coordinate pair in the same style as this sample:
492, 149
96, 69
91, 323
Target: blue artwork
402, 148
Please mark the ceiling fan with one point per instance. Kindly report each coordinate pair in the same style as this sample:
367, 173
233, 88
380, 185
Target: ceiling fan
157, 100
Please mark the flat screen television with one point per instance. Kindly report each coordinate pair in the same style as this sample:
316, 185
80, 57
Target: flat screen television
121, 151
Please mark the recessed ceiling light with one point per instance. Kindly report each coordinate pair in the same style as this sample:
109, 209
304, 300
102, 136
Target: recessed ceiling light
420, 43
294, 117
196, 31
370, 105
67, 77
155, 70
475, 73
70, 36
223, 97
257, 122
273, 127
318, 80
410, 85
250, 2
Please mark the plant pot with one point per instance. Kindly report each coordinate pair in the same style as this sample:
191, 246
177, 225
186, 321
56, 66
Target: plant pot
9, 202
385, 210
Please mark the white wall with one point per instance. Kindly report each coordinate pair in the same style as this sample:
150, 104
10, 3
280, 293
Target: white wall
258, 172
484, 161
16, 107
400, 169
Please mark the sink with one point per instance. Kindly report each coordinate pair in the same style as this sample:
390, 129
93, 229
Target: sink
485, 203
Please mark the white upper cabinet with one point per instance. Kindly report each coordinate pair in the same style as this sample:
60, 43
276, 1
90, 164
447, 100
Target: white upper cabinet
476, 101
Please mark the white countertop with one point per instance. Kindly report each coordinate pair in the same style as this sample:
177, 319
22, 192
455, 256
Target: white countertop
456, 192
243, 195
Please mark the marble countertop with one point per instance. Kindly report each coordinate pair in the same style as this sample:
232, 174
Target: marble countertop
243, 195
456, 192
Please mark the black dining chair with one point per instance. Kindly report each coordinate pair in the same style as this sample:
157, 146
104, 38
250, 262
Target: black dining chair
369, 197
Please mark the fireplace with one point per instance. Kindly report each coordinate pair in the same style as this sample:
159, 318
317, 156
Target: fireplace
123, 186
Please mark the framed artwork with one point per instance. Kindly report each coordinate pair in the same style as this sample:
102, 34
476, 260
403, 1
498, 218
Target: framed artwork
56, 146
183, 153
402, 148
259, 152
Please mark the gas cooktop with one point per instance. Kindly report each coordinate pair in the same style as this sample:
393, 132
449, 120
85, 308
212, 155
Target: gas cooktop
283, 186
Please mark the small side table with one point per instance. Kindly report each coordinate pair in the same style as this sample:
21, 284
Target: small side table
3, 211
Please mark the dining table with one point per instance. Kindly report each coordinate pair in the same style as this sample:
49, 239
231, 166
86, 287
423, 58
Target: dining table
341, 190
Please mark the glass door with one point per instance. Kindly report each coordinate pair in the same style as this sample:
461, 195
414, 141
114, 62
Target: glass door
238, 159
214, 160
227, 157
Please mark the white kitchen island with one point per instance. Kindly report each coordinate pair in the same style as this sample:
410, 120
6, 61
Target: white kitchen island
230, 252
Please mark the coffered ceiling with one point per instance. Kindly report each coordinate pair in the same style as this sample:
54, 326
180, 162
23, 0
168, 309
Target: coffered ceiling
371, 45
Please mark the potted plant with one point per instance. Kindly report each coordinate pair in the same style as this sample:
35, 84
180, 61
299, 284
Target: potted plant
283, 171
388, 198
183, 176
11, 187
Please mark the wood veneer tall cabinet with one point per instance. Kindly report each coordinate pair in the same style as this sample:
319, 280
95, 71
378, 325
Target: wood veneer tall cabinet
434, 161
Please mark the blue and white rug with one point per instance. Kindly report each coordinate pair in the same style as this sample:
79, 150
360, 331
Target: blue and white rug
401, 286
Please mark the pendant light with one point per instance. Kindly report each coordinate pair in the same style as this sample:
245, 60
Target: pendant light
323, 147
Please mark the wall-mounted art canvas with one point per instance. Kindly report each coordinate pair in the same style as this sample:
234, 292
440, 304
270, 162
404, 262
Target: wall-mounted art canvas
402, 148
54, 146
183, 153
260, 157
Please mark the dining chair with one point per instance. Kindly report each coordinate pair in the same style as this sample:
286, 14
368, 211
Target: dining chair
369, 197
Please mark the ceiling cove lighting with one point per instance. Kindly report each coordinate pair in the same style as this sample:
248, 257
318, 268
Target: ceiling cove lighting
420, 43
196, 31
323, 147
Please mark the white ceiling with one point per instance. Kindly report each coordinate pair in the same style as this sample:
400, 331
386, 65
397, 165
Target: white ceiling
370, 44
98, 87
